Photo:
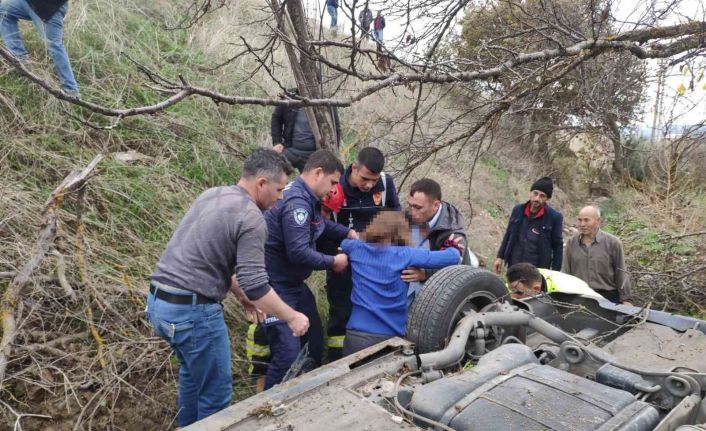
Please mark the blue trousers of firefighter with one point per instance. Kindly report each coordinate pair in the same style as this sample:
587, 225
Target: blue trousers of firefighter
284, 347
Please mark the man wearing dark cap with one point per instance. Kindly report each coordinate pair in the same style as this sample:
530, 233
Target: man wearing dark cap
534, 232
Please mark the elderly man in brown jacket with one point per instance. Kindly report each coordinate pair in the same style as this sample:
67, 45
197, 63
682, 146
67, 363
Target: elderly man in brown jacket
597, 257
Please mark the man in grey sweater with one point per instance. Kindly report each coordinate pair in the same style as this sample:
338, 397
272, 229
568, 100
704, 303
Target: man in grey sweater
223, 233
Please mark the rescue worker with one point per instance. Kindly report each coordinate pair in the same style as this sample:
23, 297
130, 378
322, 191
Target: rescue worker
525, 280
294, 224
367, 190
257, 348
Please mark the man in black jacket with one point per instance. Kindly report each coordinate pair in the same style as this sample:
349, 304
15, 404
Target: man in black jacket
292, 135
367, 190
534, 232
433, 222
48, 18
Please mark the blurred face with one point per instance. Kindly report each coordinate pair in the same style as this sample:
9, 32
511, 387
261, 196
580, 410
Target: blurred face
519, 289
268, 191
422, 208
362, 178
537, 200
324, 183
589, 222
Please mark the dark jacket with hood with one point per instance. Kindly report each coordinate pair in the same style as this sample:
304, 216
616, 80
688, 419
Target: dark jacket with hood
46, 9
549, 236
282, 125
450, 222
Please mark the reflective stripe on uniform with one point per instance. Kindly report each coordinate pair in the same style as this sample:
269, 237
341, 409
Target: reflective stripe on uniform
566, 283
251, 347
257, 354
335, 341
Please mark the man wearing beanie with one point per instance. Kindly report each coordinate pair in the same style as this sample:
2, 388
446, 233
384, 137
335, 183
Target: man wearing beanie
534, 232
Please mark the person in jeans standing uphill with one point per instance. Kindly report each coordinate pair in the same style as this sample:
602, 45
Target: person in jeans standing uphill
48, 18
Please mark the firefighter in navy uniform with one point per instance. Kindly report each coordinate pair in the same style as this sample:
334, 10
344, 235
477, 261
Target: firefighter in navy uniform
367, 190
257, 348
294, 224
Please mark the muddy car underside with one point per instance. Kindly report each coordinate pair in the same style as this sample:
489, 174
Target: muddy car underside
553, 362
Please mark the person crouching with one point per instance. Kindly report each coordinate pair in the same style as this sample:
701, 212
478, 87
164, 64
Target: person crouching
379, 295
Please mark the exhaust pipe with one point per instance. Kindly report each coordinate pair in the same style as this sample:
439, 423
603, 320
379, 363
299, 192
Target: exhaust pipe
456, 349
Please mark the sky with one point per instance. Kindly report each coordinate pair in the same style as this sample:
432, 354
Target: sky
687, 107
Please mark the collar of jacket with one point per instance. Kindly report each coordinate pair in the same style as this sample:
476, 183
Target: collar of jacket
449, 219
350, 191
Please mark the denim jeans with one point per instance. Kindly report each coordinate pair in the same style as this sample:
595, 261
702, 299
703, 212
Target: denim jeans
333, 11
378, 35
199, 338
51, 31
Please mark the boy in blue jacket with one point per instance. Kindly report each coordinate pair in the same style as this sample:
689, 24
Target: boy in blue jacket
379, 294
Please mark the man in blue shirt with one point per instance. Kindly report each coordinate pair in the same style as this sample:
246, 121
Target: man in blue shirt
294, 224
367, 190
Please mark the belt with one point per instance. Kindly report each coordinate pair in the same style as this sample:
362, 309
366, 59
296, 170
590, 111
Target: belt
180, 299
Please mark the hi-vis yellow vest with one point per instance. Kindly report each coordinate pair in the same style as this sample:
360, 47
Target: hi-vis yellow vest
565, 283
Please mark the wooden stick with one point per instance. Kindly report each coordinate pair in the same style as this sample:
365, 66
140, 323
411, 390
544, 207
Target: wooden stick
45, 239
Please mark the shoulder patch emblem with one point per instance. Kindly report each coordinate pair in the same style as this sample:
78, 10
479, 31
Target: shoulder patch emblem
300, 216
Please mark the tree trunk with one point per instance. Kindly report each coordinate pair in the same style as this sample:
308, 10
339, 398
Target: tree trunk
614, 134
308, 79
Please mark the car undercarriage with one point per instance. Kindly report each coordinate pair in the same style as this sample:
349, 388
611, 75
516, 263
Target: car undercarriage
551, 362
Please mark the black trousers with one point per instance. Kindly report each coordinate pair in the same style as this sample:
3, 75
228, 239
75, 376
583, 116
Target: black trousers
610, 295
338, 292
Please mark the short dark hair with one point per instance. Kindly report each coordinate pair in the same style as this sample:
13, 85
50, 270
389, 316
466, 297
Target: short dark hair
267, 163
371, 158
525, 273
427, 186
325, 160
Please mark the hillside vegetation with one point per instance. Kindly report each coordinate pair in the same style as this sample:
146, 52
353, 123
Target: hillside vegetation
92, 362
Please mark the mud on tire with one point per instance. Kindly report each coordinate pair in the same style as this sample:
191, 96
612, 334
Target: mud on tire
444, 299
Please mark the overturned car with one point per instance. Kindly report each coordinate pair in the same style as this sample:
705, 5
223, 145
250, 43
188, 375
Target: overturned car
476, 360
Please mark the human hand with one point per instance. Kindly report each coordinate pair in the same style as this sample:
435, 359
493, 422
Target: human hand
498, 265
455, 242
299, 324
340, 262
413, 274
278, 147
252, 313
353, 234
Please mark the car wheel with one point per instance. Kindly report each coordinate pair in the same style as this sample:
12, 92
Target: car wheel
446, 298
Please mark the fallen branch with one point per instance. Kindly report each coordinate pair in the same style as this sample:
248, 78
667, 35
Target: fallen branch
19, 416
45, 239
61, 275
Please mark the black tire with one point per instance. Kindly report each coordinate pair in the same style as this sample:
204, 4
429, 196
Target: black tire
443, 301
